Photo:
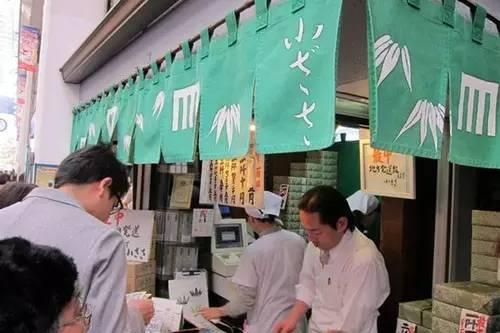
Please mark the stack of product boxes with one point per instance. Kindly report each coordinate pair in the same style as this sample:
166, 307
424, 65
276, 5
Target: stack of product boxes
175, 246
418, 313
485, 247
320, 168
141, 276
476, 302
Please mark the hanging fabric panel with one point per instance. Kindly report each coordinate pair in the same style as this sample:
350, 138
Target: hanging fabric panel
475, 82
111, 114
227, 92
408, 55
125, 127
179, 130
152, 109
296, 75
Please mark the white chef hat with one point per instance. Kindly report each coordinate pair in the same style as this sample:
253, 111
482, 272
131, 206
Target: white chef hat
364, 202
272, 207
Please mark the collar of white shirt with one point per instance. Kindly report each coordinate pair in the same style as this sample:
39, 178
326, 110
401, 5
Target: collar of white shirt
343, 247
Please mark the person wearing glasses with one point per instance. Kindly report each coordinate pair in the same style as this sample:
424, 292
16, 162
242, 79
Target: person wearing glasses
39, 290
88, 186
343, 279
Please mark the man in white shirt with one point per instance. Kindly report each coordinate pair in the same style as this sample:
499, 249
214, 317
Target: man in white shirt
268, 271
343, 278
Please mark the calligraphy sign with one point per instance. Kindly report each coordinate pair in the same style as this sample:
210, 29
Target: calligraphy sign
238, 182
386, 173
203, 222
136, 228
473, 322
406, 327
284, 194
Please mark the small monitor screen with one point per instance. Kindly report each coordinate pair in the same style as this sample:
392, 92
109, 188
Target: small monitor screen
225, 211
228, 236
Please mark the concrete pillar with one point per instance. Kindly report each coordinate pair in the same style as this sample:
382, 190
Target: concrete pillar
66, 24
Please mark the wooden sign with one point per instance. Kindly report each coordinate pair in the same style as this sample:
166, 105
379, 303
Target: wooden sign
386, 173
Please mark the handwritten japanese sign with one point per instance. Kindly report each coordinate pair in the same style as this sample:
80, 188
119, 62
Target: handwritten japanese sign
192, 292
405, 327
203, 222
284, 194
136, 228
237, 182
473, 322
385, 173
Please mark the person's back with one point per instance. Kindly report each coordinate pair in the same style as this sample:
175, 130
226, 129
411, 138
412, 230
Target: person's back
277, 258
50, 217
71, 219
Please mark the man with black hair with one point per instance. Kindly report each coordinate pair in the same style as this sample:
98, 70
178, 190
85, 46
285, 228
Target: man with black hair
268, 271
343, 279
39, 290
89, 184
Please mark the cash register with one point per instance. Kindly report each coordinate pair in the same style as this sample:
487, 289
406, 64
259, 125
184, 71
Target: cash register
229, 240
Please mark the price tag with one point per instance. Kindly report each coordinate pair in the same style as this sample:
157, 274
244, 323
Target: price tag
473, 322
406, 327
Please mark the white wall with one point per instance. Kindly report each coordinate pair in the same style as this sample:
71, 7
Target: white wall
66, 23
187, 20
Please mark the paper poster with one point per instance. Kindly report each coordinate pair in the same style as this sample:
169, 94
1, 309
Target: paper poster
182, 191
473, 322
238, 182
167, 316
191, 293
29, 42
136, 228
386, 173
203, 222
45, 175
406, 327
284, 194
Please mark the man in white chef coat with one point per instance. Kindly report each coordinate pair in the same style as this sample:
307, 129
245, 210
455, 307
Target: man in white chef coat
268, 272
343, 279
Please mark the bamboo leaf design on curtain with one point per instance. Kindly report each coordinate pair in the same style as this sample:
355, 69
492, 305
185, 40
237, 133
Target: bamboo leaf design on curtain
388, 54
430, 117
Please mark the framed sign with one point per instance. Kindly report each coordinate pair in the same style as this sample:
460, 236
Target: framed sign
386, 173
45, 175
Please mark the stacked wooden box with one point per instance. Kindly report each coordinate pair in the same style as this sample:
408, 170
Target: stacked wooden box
451, 298
418, 313
320, 168
141, 276
485, 247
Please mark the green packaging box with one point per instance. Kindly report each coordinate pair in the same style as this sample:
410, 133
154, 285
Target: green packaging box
422, 329
442, 326
427, 319
486, 218
491, 249
488, 263
490, 234
484, 276
470, 295
412, 311
322, 154
306, 166
452, 314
